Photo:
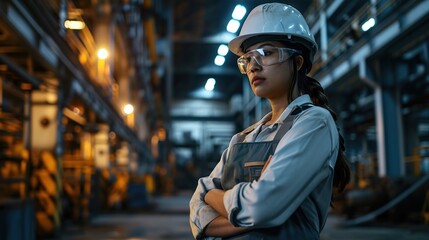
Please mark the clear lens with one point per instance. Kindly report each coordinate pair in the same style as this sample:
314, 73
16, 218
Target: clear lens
265, 56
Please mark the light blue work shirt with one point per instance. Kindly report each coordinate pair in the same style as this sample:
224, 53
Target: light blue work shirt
300, 174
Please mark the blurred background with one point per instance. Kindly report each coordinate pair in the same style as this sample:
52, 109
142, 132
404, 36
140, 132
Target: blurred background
110, 111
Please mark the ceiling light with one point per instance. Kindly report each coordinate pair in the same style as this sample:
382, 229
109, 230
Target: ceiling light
74, 24
219, 60
128, 109
102, 53
222, 50
368, 24
210, 84
239, 12
233, 26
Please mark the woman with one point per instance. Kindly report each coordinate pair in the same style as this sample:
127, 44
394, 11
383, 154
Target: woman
276, 179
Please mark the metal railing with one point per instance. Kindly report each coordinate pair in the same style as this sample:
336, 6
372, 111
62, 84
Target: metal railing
350, 32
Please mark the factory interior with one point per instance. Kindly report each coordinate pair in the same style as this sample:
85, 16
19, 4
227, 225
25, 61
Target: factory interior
111, 110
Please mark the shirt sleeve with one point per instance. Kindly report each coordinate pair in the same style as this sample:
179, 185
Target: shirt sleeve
202, 214
300, 163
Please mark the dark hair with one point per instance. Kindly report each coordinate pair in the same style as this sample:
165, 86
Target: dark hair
310, 86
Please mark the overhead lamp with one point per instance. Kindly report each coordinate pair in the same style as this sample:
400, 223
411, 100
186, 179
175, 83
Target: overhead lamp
76, 110
128, 109
74, 24
210, 84
102, 53
368, 24
219, 60
222, 50
233, 26
239, 12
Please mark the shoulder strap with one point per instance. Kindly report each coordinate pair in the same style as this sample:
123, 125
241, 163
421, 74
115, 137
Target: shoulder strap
243, 134
287, 123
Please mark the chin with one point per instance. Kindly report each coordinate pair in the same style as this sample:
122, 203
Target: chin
256, 92
262, 93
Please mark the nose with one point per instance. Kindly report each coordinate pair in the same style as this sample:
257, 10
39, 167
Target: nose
254, 65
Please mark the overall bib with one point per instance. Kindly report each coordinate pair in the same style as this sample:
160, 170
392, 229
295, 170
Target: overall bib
244, 164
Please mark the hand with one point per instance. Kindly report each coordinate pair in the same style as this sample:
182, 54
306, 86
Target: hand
221, 227
217, 183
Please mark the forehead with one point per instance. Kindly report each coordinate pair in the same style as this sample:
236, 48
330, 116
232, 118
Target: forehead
265, 43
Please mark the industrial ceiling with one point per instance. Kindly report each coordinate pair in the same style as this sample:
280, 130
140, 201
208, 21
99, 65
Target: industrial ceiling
199, 27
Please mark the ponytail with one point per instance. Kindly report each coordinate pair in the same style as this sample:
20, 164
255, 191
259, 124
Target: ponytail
310, 86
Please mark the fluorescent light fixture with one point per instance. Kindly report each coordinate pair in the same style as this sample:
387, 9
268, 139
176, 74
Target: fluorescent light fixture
102, 53
222, 50
233, 26
239, 12
74, 24
222, 37
210, 84
219, 60
368, 24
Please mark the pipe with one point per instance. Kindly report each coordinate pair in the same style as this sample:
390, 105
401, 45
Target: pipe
381, 153
389, 205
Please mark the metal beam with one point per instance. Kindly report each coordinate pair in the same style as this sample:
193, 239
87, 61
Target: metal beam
21, 72
390, 33
379, 117
59, 51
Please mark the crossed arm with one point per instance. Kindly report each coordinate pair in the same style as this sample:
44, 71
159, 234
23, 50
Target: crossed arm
220, 226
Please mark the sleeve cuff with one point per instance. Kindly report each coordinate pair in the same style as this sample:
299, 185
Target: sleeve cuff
232, 205
209, 214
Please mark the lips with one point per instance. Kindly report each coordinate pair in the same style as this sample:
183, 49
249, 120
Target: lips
257, 80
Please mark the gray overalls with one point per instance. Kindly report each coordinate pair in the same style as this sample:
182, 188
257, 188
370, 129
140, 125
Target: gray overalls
244, 164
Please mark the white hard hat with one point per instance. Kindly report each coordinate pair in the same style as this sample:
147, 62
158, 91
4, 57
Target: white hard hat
277, 22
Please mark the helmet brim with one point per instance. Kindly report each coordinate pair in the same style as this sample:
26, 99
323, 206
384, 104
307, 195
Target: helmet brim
236, 44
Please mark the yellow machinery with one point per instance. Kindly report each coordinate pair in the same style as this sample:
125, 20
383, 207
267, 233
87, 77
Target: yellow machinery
46, 191
77, 174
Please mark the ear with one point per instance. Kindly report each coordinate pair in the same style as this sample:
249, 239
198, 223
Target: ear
299, 62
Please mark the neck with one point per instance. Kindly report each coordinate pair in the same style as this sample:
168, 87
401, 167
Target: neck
277, 108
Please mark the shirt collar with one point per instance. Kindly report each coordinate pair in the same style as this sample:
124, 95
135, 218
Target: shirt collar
303, 99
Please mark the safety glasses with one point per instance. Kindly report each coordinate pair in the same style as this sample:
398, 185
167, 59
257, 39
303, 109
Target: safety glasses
265, 56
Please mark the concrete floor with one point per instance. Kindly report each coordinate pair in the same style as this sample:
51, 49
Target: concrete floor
169, 220
373, 232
